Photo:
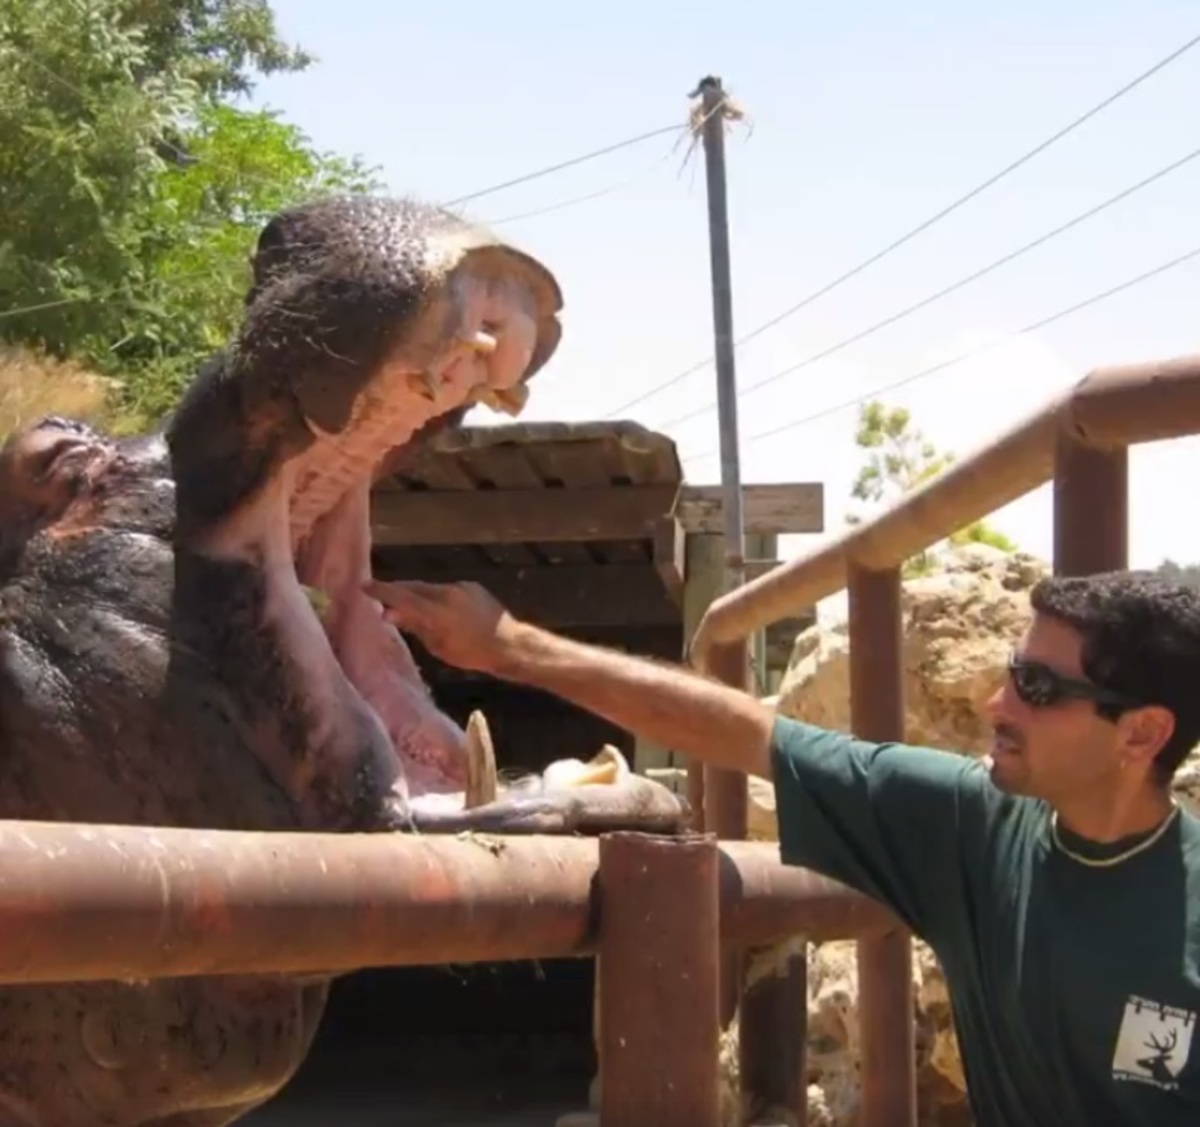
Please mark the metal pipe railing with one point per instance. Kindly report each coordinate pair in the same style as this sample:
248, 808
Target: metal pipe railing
1108, 409
86, 902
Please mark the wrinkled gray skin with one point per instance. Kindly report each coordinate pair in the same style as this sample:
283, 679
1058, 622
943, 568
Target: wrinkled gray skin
160, 663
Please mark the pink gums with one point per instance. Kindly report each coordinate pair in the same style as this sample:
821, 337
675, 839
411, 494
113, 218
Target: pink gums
329, 520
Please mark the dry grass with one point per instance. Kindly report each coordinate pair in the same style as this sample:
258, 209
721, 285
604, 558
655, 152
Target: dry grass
32, 386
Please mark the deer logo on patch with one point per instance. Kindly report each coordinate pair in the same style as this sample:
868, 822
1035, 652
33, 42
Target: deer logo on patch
1153, 1043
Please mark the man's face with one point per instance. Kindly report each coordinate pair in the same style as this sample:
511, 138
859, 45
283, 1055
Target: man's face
1056, 751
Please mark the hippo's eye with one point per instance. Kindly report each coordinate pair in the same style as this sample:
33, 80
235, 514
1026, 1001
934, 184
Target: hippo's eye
42, 462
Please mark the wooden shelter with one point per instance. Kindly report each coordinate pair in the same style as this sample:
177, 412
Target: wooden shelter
586, 528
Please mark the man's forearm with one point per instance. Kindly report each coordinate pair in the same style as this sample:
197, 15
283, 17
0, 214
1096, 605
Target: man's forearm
666, 704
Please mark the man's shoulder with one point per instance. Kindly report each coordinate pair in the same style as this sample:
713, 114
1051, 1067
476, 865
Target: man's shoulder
956, 783
801, 741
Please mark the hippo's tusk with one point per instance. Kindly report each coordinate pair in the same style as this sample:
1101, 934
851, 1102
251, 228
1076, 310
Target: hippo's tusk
482, 783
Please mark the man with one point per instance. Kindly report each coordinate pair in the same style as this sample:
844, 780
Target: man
1057, 880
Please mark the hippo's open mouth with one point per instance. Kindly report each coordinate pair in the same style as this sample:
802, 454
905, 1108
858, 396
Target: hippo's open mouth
489, 321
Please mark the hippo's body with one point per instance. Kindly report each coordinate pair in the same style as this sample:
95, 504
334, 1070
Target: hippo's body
161, 662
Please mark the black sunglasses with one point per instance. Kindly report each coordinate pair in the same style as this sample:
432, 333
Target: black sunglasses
1041, 686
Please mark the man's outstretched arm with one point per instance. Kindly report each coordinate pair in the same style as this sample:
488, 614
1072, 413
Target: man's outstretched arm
462, 625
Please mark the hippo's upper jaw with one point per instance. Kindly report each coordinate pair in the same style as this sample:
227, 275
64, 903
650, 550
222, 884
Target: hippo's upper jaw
368, 321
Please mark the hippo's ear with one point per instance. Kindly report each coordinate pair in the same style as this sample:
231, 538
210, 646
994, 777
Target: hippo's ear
325, 395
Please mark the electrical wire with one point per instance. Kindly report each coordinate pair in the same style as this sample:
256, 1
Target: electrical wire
1041, 240
617, 146
924, 226
970, 354
679, 128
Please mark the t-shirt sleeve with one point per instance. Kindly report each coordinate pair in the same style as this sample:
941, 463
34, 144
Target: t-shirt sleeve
882, 818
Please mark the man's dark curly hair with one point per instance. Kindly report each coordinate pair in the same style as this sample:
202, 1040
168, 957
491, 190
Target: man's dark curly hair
1141, 637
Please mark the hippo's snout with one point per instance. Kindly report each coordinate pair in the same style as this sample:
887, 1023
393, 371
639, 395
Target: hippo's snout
347, 289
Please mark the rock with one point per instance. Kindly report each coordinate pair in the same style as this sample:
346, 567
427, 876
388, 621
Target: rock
959, 625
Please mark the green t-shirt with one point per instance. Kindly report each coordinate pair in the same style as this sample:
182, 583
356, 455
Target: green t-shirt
1075, 989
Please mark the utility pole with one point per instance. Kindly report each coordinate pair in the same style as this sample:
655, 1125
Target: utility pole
714, 112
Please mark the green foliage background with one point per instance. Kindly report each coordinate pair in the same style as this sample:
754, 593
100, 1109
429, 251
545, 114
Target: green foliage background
133, 184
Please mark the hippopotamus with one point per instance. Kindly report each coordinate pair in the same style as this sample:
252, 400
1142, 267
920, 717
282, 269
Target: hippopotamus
186, 641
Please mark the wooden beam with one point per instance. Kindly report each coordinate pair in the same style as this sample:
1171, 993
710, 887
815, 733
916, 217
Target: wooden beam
755, 568
670, 557
784, 508
519, 515
559, 596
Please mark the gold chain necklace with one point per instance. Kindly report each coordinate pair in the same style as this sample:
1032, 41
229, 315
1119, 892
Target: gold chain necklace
1132, 851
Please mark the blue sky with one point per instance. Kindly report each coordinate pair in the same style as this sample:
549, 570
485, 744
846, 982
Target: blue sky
866, 119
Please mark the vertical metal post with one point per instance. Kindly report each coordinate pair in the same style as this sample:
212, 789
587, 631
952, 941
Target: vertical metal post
885, 1012
713, 131
659, 1012
725, 795
1091, 508
725, 798
772, 1043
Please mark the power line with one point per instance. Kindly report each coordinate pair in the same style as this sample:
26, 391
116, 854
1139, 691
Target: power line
570, 202
968, 355
628, 142
946, 291
936, 218
678, 128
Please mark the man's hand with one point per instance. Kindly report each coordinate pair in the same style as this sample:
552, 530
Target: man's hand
459, 623
462, 625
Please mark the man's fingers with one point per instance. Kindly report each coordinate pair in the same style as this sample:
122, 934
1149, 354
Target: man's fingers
405, 603
402, 592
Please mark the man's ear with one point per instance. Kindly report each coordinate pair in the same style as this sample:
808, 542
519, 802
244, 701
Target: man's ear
1144, 732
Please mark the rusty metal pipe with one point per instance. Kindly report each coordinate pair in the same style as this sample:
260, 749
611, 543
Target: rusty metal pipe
1130, 404
82, 902
726, 798
659, 1008
772, 1044
1091, 508
726, 808
1110, 408
1000, 472
889, 1092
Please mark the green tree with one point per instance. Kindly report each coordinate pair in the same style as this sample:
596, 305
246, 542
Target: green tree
209, 211
900, 459
217, 44
79, 164
131, 191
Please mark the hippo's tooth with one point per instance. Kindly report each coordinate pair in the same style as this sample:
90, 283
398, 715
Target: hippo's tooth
481, 763
506, 400
483, 342
423, 384
513, 399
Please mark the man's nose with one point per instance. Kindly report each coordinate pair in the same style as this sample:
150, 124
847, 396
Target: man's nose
1000, 704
